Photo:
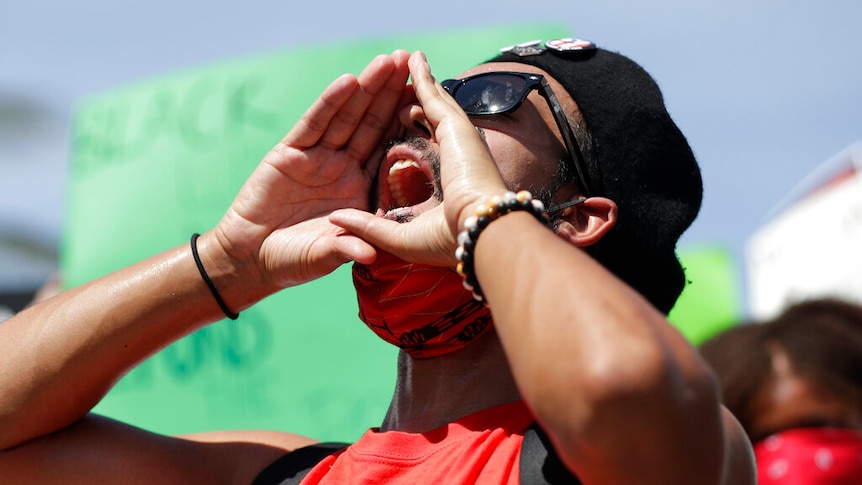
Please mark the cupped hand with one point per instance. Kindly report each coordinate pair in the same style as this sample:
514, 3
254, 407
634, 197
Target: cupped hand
468, 173
469, 177
276, 227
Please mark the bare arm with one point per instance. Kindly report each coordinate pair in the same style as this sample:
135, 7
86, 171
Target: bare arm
99, 450
59, 357
624, 397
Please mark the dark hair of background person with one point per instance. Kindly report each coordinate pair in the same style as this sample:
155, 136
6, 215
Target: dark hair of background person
822, 340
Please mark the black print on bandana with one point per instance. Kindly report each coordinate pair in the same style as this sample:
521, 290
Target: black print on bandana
363, 272
413, 341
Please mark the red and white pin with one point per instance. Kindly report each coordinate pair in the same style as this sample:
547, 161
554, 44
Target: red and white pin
569, 44
536, 47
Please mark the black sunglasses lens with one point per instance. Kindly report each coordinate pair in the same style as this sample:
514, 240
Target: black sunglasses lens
491, 94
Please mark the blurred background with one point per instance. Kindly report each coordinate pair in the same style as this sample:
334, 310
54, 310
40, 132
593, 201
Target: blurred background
768, 92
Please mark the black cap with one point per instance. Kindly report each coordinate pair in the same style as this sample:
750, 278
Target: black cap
642, 161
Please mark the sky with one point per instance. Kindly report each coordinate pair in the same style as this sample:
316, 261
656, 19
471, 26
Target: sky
766, 91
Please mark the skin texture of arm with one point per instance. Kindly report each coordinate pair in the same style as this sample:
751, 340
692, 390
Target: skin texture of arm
58, 358
98, 450
621, 393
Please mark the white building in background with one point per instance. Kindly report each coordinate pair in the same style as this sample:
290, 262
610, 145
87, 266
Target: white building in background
811, 245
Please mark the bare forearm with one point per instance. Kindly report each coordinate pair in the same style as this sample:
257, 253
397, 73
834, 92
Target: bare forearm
600, 367
58, 358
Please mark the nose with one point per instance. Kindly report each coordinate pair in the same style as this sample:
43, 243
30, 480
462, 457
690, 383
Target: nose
412, 116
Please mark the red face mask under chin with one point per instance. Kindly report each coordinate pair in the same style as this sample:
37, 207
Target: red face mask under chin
424, 310
810, 456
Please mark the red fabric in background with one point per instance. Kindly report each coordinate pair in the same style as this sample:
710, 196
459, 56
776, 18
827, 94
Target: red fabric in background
810, 456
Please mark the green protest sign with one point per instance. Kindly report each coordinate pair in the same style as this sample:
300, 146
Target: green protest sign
711, 301
156, 162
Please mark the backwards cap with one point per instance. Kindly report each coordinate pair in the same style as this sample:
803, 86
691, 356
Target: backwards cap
641, 161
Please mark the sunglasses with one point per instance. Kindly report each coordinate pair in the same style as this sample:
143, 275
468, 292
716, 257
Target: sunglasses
495, 93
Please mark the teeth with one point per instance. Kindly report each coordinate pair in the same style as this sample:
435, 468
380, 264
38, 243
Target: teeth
395, 186
402, 164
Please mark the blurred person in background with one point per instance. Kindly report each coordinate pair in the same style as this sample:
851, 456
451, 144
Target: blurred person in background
795, 384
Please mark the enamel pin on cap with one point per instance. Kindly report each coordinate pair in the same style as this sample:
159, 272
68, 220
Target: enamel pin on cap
530, 48
535, 47
569, 44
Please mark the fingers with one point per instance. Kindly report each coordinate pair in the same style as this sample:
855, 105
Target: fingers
311, 127
467, 170
435, 101
351, 248
378, 117
355, 110
459, 141
358, 108
309, 250
423, 240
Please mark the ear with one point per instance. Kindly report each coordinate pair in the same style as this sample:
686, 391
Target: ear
586, 223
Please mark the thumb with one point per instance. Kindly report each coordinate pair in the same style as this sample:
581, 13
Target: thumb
352, 248
419, 241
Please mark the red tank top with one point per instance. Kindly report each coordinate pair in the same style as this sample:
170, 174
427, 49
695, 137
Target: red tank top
481, 448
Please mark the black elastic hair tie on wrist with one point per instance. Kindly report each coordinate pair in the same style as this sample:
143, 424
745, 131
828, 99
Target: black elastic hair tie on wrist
208, 281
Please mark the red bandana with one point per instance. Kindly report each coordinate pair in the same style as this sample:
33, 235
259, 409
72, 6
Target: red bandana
422, 309
810, 456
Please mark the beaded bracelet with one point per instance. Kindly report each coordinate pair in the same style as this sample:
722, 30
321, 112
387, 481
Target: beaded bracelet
485, 214
208, 281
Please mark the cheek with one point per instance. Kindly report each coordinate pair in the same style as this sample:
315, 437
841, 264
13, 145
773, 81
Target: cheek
789, 400
521, 165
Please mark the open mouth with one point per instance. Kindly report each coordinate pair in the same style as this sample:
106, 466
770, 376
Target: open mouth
409, 185
407, 180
